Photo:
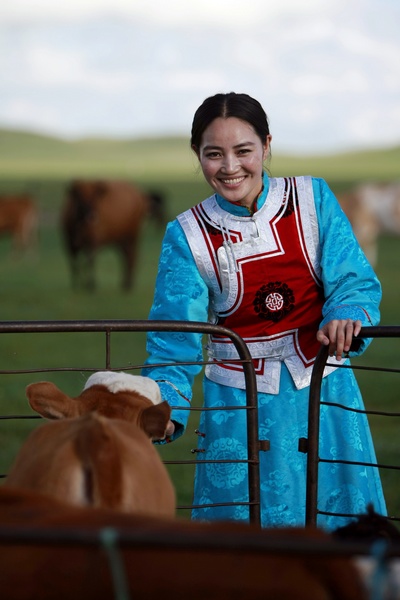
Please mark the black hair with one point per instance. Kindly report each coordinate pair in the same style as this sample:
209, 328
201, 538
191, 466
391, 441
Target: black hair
241, 106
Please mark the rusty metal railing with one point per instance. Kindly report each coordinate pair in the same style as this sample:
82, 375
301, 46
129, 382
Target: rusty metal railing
254, 444
313, 458
112, 326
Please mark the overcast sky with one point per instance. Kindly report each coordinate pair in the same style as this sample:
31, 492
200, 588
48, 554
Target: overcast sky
326, 71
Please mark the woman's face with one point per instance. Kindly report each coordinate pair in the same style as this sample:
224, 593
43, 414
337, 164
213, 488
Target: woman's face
231, 156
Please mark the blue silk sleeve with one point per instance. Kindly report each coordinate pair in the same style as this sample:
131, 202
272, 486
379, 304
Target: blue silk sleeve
351, 288
180, 294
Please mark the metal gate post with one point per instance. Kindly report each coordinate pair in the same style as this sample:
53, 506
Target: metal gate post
314, 409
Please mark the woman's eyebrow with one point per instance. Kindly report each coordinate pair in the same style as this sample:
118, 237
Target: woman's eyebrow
215, 147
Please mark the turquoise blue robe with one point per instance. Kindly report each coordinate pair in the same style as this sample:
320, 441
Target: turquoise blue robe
351, 290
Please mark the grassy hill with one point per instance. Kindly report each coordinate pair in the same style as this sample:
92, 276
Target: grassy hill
24, 155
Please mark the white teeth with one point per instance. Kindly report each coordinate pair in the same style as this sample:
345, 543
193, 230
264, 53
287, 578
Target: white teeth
233, 181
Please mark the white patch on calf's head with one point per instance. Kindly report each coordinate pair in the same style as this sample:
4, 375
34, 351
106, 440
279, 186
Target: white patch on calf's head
124, 382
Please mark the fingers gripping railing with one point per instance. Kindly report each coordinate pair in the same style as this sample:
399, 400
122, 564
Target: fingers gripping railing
313, 458
111, 326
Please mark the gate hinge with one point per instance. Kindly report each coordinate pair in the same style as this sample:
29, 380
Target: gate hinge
303, 445
264, 445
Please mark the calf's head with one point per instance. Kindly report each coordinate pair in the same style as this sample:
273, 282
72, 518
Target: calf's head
123, 396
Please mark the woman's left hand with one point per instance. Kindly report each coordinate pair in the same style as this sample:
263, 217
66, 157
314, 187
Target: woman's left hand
338, 334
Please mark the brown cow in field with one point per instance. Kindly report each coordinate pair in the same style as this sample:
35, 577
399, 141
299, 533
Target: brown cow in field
19, 219
98, 451
158, 557
105, 213
372, 209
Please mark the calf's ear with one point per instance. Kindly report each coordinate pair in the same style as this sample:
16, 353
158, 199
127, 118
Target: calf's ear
154, 420
48, 400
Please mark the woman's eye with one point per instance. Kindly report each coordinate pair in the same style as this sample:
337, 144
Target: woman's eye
212, 154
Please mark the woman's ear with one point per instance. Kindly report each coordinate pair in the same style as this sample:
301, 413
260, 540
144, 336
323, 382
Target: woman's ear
267, 147
196, 151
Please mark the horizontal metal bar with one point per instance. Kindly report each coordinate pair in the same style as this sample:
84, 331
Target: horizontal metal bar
359, 410
237, 542
353, 462
380, 331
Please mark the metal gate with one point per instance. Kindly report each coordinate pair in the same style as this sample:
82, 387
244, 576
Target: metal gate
313, 458
113, 326
254, 444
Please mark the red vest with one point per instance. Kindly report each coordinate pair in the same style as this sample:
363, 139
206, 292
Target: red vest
262, 272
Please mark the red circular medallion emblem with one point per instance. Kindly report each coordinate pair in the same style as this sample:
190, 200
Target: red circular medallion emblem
273, 301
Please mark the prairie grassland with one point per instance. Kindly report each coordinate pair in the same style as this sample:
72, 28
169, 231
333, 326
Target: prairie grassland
37, 287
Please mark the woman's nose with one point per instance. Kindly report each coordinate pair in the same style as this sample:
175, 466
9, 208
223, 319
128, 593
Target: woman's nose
230, 163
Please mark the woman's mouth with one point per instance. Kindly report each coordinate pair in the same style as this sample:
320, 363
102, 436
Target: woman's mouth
233, 181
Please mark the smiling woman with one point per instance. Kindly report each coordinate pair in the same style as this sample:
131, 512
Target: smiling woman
231, 156
275, 260
232, 142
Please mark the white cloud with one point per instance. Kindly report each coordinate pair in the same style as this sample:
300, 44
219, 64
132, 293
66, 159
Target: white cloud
88, 67
48, 65
166, 12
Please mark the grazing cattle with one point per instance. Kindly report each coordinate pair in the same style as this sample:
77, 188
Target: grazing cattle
154, 557
19, 219
105, 213
372, 209
98, 451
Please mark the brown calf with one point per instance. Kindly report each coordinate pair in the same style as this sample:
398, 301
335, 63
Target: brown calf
99, 450
159, 557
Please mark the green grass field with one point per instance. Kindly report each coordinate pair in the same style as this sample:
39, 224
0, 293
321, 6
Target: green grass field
38, 287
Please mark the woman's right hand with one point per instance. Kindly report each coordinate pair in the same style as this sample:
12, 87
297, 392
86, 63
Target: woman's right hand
338, 334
